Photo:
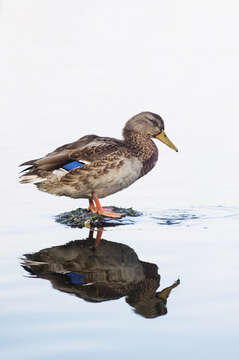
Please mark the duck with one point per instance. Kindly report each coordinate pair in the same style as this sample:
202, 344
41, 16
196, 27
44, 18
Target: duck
94, 167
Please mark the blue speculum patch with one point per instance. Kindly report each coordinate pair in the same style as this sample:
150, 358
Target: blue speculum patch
72, 165
76, 279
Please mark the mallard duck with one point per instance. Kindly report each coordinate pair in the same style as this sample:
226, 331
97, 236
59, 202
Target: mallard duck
94, 167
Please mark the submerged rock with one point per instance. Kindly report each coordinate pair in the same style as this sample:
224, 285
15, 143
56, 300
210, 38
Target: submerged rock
82, 217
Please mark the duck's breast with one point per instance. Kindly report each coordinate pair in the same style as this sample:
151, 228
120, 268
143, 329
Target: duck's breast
115, 177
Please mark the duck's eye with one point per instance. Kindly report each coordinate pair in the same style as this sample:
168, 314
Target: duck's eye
154, 122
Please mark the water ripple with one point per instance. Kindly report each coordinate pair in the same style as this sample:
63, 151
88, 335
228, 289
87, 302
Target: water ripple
194, 215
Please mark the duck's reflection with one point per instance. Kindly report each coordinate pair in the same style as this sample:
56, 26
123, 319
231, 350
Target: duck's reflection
108, 272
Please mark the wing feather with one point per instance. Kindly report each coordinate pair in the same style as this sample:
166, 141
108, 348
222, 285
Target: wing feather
88, 148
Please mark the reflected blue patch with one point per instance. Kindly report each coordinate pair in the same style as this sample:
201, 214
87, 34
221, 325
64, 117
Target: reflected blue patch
72, 165
76, 279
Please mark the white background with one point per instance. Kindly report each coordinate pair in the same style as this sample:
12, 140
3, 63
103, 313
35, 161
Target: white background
71, 68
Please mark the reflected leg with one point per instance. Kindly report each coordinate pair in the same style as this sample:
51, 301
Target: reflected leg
98, 237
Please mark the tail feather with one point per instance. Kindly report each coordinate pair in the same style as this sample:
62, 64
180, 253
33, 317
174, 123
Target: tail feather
27, 179
30, 162
31, 174
27, 169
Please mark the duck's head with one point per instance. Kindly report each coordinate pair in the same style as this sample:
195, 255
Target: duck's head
149, 124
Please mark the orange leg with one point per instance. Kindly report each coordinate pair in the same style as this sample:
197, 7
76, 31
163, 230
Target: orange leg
96, 207
92, 207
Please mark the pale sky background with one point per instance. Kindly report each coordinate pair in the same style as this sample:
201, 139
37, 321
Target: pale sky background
71, 68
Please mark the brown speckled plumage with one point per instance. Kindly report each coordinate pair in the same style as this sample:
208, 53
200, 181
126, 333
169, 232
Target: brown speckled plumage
110, 164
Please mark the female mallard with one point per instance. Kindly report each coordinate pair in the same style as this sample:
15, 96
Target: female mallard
94, 167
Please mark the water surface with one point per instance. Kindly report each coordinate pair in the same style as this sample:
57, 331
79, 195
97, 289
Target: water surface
48, 316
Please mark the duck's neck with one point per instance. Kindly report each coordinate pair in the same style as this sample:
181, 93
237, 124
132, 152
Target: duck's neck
143, 148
